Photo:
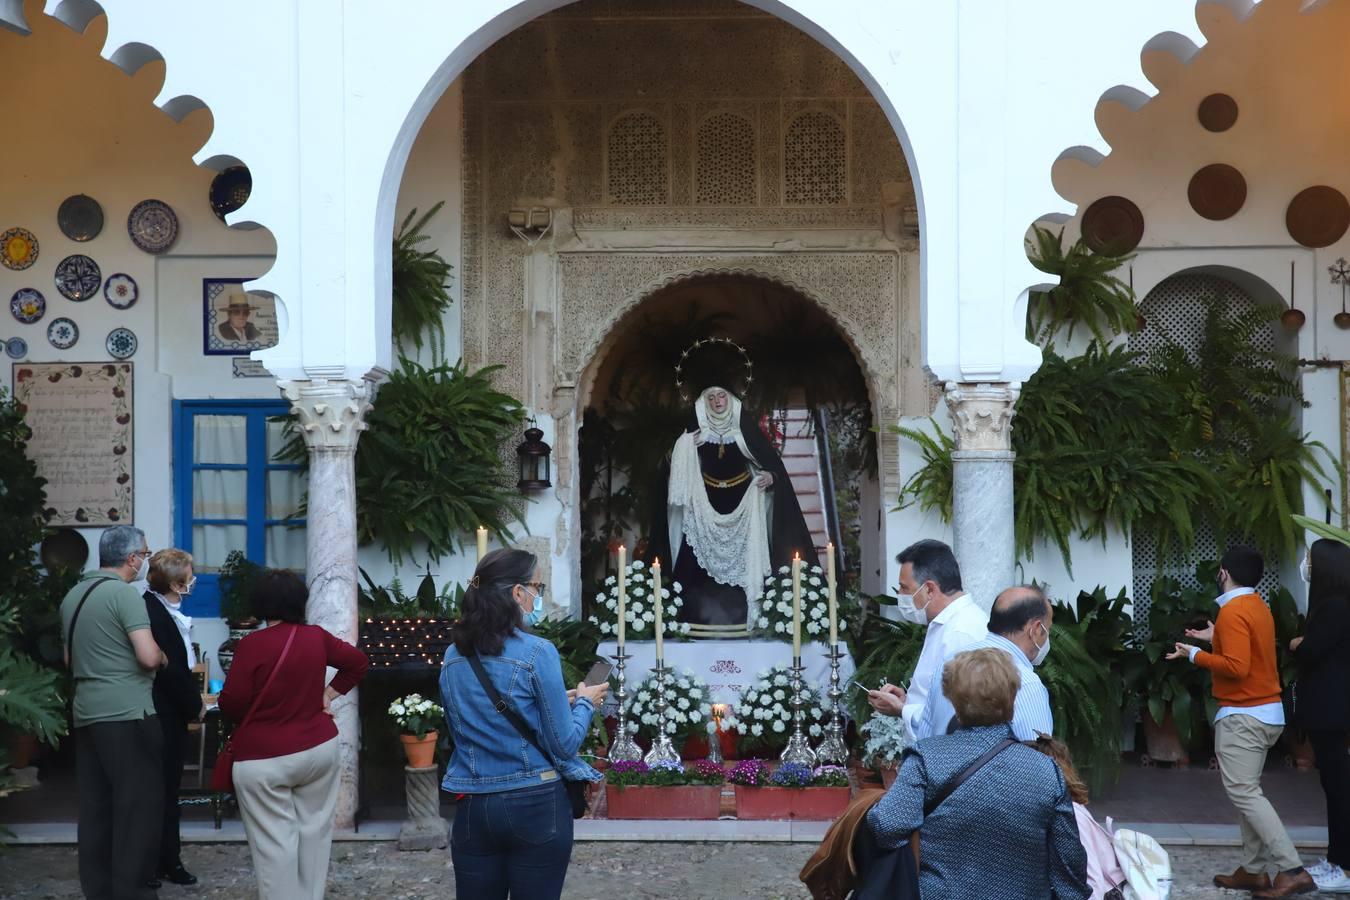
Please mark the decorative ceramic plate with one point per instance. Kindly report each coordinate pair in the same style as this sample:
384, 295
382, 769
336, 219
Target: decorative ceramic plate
18, 249
63, 333
16, 347
80, 218
78, 277
230, 190
28, 305
120, 291
121, 343
153, 226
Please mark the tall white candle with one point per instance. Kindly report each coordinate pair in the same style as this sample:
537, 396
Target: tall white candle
482, 542
796, 606
656, 601
623, 594
834, 603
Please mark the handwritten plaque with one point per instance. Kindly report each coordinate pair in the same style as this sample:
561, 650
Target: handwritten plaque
80, 416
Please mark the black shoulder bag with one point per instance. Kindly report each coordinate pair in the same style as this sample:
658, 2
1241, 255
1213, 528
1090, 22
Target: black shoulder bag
576, 790
75, 617
931, 806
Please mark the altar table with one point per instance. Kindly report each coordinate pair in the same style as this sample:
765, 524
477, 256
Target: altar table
729, 667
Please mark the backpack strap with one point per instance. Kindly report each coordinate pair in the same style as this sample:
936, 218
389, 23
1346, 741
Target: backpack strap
75, 617
970, 770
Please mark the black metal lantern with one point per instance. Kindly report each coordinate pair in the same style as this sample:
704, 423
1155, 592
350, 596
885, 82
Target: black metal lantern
533, 455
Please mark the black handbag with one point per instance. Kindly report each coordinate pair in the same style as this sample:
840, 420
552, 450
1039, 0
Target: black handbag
576, 790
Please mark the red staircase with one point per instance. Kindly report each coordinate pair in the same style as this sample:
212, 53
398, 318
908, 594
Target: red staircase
801, 456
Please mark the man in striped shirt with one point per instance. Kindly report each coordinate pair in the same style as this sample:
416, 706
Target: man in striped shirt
1019, 625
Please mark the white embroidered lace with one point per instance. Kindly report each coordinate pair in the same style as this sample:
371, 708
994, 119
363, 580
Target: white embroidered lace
733, 548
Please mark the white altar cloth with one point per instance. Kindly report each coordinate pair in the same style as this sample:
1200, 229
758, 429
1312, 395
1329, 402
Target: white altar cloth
729, 667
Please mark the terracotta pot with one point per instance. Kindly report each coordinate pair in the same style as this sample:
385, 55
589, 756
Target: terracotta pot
695, 747
21, 749
1162, 740
421, 751
888, 774
816, 803
691, 801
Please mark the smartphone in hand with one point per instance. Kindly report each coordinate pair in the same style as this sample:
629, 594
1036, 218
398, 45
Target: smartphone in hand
599, 673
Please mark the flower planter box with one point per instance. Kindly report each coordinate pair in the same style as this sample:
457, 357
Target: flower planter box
694, 801
816, 803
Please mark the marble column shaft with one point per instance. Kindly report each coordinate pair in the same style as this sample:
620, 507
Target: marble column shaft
332, 416
982, 486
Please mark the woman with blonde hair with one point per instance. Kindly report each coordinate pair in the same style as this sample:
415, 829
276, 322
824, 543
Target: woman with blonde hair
178, 699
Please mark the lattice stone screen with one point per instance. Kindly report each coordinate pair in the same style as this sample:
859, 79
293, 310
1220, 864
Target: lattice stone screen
1174, 313
725, 170
637, 161
815, 168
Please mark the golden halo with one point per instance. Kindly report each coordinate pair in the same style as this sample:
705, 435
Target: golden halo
702, 342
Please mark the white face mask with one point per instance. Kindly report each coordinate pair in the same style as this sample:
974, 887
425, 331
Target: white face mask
144, 571
1305, 570
909, 612
1042, 650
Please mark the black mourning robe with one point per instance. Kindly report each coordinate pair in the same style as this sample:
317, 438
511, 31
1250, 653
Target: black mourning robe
706, 601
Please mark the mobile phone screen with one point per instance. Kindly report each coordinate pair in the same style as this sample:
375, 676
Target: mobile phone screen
858, 686
599, 673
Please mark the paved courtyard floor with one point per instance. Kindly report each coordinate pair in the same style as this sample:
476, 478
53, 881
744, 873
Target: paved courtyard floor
600, 871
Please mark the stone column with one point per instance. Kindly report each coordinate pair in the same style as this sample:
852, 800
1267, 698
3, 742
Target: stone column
982, 486
332, 416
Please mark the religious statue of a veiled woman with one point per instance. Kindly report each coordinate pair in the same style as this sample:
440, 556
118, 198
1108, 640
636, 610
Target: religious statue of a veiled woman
732, 515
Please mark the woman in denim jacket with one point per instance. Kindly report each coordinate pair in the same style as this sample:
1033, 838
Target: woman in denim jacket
512, 834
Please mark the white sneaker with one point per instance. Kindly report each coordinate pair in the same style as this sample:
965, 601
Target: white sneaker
1319, 868
1332, 881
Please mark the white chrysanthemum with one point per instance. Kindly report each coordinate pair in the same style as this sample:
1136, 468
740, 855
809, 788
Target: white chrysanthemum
763, 622
643, 696
812, 628
611, 580
648, 617
785, 608
676, 585
681, 718
784, 570
780, 679
786, 583
685, 628
812, 595
779, 695
780, 627
814, 730
638, 564
711, 726
757, 729
682, 702
751, 695
648, 719
779, 727
695, 716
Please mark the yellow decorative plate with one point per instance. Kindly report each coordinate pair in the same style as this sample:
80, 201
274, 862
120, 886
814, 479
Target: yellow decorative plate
18, 248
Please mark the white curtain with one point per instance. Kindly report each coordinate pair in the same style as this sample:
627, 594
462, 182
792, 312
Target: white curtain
219, 493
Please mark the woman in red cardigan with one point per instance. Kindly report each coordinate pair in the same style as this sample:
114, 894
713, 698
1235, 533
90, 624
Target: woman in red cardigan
286, 754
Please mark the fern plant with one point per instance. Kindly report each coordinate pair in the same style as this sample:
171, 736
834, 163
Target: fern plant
421, 294
1089, 293
430, 467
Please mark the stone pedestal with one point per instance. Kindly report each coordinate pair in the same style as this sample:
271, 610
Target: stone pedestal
424, 829
982, 486
332, 416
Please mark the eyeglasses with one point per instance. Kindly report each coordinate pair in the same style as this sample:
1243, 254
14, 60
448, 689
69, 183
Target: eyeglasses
537, 585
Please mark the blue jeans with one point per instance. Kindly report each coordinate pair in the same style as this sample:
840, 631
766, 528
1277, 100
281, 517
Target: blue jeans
512, 844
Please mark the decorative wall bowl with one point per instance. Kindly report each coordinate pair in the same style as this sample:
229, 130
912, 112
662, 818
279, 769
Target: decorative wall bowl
18, 249
16, 347
28, 305
78, 277
1342, 319
121, 291
153, 226
63, 333
1293, 319
80, 218
121, 343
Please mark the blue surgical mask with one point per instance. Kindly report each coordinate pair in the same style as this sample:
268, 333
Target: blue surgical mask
536, 614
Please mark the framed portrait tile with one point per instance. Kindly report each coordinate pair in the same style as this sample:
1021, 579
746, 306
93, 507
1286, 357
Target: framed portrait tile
236, 322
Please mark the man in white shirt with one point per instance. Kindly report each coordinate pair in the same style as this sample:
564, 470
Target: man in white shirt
1019, 625
930, 595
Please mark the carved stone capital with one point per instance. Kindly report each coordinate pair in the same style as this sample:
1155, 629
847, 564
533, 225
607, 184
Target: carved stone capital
981, 414
332, 413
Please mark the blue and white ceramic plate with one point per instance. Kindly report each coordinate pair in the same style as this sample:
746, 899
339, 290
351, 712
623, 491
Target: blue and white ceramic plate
78, 277
121, 343
120, 291
28, 305
16, 347
153, 226
63, 333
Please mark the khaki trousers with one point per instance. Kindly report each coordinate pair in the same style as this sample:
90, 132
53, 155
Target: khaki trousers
1241, 744
287, 805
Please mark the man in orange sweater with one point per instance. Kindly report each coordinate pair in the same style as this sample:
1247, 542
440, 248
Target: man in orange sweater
1249, 722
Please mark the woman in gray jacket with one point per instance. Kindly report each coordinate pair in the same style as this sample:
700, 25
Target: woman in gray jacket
1008, 829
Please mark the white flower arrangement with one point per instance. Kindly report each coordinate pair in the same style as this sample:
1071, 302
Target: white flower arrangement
764, 714
773, 611
640, 611
688, 707
886, 741
414, 714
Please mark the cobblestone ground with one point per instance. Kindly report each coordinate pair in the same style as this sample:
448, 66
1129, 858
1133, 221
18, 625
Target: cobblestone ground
599, 870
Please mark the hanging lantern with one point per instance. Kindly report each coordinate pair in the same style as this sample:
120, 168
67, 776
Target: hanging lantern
533, 455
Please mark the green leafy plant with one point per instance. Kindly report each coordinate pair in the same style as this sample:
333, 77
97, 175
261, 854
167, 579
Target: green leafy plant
32, 700
576, 640
884, 741
430, 468
237, 576
1322, 529
1088, 293
1177, 685
421, 295
1288, 625
931, 485
390, 602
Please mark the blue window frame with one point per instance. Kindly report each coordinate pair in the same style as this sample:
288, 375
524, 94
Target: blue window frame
229, 494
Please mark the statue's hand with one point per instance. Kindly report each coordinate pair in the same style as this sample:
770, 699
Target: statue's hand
698, 437
764, 480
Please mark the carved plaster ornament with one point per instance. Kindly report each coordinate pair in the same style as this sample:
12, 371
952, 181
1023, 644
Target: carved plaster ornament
332, 413
982, 414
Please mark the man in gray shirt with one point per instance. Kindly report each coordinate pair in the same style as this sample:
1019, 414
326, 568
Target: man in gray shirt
118, 741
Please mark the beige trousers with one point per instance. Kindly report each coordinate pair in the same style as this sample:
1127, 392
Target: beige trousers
1241, 744
287, 806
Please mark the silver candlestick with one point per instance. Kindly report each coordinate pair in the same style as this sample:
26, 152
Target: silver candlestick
624, 747
798, 750
663, 751
832, 750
